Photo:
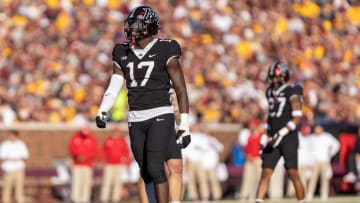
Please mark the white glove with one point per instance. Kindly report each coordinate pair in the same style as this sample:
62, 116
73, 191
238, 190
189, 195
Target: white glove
183, 138
276, 139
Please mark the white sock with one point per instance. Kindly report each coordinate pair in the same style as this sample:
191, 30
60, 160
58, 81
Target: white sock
301, 201
259, 200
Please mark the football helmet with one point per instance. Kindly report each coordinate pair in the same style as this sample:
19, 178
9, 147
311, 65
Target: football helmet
278, 73
141, 22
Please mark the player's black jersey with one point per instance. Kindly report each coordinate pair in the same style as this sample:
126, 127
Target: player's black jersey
279, 106
145, 72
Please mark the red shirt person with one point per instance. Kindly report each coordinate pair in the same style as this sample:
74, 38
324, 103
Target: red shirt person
252, 167
116, 148
252, 148
83, 147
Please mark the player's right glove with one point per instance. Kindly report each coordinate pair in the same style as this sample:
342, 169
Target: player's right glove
276, 139
101, 119
183, 138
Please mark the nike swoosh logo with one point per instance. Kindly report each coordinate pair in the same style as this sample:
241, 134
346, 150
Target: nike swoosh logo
151, 55
159, 119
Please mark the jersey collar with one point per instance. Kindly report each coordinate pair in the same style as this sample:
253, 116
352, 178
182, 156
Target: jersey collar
281, 88
140, 53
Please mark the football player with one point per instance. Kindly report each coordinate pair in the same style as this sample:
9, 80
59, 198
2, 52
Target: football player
151, 68
284, 114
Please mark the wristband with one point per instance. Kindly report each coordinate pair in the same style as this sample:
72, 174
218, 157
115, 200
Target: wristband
184, 121
283, 131
296, 113
291, 125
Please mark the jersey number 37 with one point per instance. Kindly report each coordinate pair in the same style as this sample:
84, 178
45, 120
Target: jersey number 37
276, 110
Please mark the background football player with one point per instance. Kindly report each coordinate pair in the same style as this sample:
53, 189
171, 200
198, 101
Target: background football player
284, 115
151, 68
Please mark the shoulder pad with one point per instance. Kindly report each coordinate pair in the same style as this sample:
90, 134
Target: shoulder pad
121, 47
124, 44
172, 47
169, 42
297, 89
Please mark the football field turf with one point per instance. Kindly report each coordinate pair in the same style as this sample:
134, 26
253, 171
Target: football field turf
347, 199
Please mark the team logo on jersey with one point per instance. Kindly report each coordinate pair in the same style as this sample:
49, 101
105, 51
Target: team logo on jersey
123, 58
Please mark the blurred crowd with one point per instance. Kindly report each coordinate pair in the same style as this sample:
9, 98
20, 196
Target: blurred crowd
56, 56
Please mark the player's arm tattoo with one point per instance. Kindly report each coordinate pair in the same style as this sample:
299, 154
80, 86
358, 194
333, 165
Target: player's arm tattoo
178, 82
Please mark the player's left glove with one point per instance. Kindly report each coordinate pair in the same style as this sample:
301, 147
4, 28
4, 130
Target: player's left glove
183, 138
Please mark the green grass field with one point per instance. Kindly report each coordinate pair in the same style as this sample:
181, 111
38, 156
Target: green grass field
347, 199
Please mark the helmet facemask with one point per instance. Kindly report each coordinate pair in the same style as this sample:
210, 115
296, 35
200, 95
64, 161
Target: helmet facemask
278, 74
135, 28
141, 23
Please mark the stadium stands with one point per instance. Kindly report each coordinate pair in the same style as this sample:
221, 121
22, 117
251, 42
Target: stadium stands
55, 58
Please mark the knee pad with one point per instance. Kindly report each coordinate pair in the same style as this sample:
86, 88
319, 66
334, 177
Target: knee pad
157, 172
